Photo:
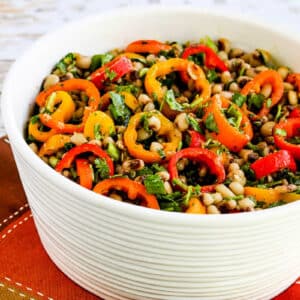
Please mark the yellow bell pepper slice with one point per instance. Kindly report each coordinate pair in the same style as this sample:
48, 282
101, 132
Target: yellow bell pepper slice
270, 196
54, 143
129, 100
98, 120
195, 207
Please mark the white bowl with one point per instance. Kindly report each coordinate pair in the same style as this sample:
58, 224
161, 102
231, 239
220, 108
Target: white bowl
122, 251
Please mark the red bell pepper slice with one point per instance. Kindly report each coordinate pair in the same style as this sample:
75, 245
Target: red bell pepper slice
287, 129
197, 139
209, 158
295, 113
272, 163
211, 61
269, 76
69, 157
84, 172
294, 79
147, 46
133, 189
111, 71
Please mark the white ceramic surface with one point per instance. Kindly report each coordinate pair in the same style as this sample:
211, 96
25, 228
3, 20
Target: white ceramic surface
121, 251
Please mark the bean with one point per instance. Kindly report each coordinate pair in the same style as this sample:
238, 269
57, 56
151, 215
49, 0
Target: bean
50, 80
224, 45
283, 72
227, 94
83, 62
266, 90
233, 167
133, 164
234, 87
236, 187
231, 204
224, 191
212, 209
34, 147
293, 97
223, 55
236, 52
181, 164
217, 88
78, 139
149, 107
154, 123
144, 99
288, 86
156, 147
207, 199
262, 68
217, 197
226, 77
168, 187
246, 204
181, 122
164, 175
115, 196
143, 134
267, 128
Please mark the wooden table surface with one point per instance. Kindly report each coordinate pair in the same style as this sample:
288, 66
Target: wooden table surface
23, 21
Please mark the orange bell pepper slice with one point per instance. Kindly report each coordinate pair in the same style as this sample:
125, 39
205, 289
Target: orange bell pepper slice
147, 46
167, 129
85, 173
269, 76
104, 121
270, 196
195, 207
228, 135
134, 190
162, 68
68, 86
129, 100
54, 143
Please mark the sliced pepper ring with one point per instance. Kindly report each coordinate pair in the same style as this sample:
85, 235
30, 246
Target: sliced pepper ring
133, 189
69, 85
147, 46
69, 157
129, 99
54, 143
85, 173
228, 135
167, 129
287, 129
162, 68
209, 158
269, 76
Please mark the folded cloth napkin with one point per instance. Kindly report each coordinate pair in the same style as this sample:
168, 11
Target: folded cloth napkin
26, 271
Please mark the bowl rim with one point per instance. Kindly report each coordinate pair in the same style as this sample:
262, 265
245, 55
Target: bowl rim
158, 216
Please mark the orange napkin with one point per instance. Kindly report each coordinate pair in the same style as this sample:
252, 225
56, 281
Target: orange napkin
26, 271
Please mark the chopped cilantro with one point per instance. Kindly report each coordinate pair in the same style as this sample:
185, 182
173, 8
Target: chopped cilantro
207, 41
277, 203
211, 75
99, 60
130, 88
194, 124
281, 132
118, 109
278, 113
234, 116
97, 132
102, 169
110, 74
154, 185
210, 123
238, 99
255, 101
170, 202
170, 99
34, 119
67, 60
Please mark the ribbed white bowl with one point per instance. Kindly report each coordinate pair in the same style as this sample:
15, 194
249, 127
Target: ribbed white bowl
121, 251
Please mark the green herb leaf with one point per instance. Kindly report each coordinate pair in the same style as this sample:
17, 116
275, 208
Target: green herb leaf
65, 62
238, 99
113, 151
110, 74
34, 119
209, 43
278, 113
210, 123
102, 169
97, 132
194, 124
235, 116
130, 88
277, 203
269, 102
154, 185
170, 99
211, 75
118, 109
255, 100
170, 202
281, 132
99, 60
